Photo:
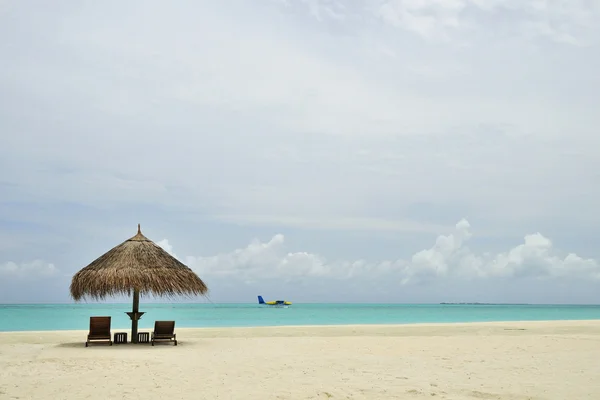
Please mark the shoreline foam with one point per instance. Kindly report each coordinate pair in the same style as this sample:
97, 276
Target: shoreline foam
409, 325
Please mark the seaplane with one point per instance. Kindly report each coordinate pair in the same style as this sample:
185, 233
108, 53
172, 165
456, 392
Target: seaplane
274, 303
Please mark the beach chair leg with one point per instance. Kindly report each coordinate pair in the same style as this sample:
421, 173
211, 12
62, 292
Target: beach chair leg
175, 343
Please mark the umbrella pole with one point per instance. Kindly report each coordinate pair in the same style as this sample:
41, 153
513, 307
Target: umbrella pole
134, 320
135, 315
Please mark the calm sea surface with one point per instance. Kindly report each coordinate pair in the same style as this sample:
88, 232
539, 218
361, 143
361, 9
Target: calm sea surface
39, 317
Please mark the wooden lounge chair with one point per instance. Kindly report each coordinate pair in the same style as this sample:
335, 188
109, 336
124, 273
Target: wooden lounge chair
99, 330
164, 330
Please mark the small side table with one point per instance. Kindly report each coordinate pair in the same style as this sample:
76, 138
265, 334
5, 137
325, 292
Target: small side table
120, 337
143, 337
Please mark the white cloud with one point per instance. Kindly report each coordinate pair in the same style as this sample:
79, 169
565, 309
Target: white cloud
535, 257
564, 21
36, 269
167, 247
429, 19
449, 257
321, 9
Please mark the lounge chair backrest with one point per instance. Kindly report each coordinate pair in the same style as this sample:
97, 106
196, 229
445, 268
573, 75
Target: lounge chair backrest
100, 325
164, 327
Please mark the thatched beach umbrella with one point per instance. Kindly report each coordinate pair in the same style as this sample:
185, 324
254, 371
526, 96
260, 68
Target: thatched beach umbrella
137, 266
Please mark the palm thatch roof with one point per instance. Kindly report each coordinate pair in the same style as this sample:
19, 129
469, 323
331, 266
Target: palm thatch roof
137, 264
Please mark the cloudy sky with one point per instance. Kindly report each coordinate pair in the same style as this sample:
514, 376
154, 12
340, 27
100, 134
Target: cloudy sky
313, 150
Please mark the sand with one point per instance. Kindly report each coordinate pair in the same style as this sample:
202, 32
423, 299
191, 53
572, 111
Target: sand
518, 360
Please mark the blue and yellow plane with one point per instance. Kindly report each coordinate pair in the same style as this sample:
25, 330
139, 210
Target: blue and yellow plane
276, 303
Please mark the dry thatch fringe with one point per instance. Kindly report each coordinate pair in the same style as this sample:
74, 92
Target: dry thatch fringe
137, 263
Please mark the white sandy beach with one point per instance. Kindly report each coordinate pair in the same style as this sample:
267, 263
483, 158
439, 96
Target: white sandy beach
518, 360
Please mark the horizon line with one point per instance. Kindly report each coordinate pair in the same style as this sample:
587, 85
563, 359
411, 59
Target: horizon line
309, 302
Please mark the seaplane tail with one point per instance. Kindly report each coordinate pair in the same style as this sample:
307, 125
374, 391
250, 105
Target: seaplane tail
279, 303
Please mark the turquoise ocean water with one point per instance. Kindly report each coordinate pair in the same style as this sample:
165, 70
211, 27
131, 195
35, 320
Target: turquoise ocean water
39, 317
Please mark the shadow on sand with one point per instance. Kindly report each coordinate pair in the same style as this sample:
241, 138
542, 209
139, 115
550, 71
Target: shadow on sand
76, 345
